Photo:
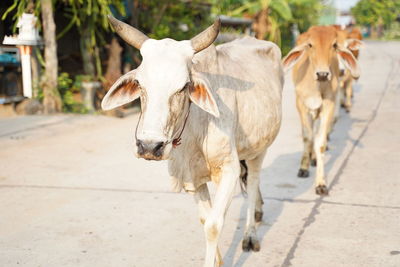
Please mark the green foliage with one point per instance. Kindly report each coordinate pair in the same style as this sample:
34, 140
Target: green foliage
376, 12
283, 14
225, 6
90, 15
279, 12
90, 18
393, 33
305, 13
173, 19
67, 88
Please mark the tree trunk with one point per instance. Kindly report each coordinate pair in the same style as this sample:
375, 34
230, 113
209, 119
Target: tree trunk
261, 25
113, 72
35, 71
52, 101
87, 53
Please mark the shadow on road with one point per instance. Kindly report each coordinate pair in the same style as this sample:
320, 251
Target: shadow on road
279, 184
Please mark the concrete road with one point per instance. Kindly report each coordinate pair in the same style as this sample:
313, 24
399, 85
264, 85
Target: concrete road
73, 194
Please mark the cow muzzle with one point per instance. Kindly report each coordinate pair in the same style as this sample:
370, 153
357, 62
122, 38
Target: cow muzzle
323, 76
150, 150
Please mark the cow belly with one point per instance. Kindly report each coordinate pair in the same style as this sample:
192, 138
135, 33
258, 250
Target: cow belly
259, 122
257, 138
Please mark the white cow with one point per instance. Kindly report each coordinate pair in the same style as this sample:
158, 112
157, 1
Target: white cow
212, 111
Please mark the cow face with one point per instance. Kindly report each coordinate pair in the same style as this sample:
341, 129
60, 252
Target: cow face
166, 85
321, 44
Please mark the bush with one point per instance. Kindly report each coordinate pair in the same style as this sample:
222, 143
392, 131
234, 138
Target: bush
67, 88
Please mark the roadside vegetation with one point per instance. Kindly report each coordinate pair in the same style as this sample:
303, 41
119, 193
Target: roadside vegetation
380, 18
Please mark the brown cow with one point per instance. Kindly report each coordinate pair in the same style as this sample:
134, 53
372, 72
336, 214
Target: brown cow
352, 40
316, 78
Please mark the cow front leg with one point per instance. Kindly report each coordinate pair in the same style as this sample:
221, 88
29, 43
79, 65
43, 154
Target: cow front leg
326, 116
308, 136
348, 95
203, 201
213, 226
250, 240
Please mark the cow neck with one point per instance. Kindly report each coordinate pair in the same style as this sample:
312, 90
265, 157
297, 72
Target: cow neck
175, 141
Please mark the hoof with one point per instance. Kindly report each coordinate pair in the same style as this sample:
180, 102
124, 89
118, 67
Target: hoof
258, 216
303, 173
250, 243
313, 162
347, 109
321, 190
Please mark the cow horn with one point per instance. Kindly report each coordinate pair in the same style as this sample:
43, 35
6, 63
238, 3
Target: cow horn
206, 37
128, 33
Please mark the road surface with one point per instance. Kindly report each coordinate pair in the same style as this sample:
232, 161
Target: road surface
73, 194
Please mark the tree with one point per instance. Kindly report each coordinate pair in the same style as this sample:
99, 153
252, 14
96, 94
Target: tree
375, 12
268, 15
52, 100
274, 19
90, 18
44, 8
305, 13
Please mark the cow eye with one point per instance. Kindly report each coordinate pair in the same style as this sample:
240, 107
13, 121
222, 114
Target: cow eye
335, 45
309, 45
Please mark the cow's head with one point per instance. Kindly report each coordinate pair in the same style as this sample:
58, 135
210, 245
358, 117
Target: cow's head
322, 45
345, 39
165, 83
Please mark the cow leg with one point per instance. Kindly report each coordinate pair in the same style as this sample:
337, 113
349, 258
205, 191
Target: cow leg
229, 176
203, 200
326, 116
308, 135
348, 95
342, 93
337, 108
259, 203
250, 240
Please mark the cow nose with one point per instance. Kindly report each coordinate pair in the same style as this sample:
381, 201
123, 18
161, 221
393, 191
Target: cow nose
322, 76
148, 147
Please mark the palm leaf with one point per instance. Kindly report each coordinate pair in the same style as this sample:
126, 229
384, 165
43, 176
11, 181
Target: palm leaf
282, 8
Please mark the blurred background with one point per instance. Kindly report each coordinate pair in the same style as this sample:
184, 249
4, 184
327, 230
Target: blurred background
84, 57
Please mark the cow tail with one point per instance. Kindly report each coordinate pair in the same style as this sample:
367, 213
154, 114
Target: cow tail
243, 177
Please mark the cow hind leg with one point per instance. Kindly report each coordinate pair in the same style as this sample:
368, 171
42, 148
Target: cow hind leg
348, 95
258, 215
250, 240
243, 185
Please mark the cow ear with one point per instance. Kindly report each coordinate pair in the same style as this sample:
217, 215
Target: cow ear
354, 44
200, 94
294, 56
349, 61
124, 90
